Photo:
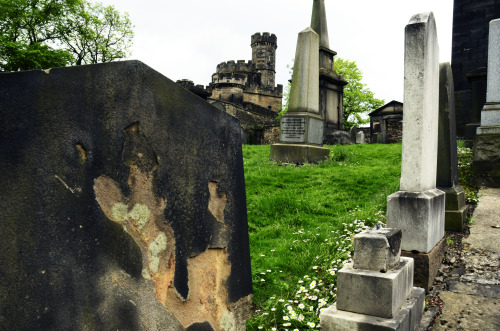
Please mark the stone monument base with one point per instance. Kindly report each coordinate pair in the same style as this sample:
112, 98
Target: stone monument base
487, 156
427, 265
295, 153
407, 317
456, 209
375, 293
420, 215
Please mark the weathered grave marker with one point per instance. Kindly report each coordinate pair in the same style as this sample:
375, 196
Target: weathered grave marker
124, 205
447, 164
360, 137
376, 291
301, 136
418, 208
487, 141
331, 84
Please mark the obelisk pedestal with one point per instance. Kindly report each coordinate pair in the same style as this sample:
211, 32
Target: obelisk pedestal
301, 136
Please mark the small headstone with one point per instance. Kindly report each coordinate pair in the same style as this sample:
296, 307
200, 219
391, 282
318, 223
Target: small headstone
352, 133
360, 137
377, 250
487, 141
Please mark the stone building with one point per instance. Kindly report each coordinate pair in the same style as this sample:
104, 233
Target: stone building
247, 90
386, 123
469, 60
252, 81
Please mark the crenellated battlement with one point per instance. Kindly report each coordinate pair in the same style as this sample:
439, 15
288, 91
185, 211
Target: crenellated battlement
199, 90
232, 66
229, 79
265, 37
250, 81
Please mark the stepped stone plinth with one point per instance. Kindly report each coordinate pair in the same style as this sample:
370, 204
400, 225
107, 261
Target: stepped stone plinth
375, 291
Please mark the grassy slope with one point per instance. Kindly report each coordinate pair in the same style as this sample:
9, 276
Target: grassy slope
292, 210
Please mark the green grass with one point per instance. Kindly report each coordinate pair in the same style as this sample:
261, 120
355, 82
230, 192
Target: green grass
302, 220
466, 173
299, 218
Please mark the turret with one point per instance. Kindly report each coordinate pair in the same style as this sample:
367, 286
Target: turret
264, 57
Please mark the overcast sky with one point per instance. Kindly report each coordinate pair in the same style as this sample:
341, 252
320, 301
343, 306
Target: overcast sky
188, 38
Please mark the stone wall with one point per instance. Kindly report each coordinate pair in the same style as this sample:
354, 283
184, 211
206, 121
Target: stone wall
271, 135
394, 132
366, 131
228, 93
267, 101
123, 204
470, 55
259, 124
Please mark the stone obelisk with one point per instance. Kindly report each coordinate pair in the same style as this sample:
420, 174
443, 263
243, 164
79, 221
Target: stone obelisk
331, 85
418, 207
447, 165
301, 136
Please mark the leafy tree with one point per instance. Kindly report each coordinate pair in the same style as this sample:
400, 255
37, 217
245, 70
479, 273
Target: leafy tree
98, 34
52, 33
286, 92
358, 99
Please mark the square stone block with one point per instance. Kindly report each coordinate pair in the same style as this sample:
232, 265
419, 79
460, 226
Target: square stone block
487, 145
372, 292
455, 197
406, 319
487, 157
295, 153
455, 208
420, 215
455, 219
377, 250
427, 265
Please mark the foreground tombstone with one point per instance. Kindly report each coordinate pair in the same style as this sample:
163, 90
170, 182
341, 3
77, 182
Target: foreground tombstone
301, 136
123, 205
418, 208
447, 164
487, 141
376, 291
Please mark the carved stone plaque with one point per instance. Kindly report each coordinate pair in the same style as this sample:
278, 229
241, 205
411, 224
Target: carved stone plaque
293, 129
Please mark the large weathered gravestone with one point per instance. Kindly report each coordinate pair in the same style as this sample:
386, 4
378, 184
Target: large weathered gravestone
123, 204
301, 136
331, 84
418, 208
376, 291
487, 141
447, 164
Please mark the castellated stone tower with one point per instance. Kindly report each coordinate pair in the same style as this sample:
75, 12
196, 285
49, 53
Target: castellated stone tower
264, 57
230, 80
251, 82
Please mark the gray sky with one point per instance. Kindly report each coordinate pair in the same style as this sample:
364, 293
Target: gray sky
188, 38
